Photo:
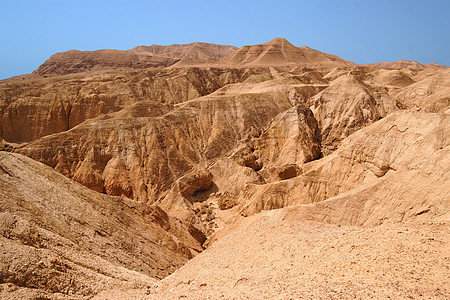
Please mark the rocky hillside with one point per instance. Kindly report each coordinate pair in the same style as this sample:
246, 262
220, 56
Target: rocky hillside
58, 236
127, 164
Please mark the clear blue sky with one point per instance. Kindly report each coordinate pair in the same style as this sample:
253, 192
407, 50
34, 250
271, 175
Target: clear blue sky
362, 31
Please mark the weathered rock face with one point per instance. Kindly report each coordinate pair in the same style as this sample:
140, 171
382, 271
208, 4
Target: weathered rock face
36, 108
292, 139
350, 103
23, 121
377, 175
429, 94
60, 237
194, 182
155, 151
245, 128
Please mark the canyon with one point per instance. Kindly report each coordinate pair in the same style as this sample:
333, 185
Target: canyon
210, 171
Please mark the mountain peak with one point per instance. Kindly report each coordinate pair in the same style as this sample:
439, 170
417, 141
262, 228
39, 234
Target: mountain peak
280, 52
279, 41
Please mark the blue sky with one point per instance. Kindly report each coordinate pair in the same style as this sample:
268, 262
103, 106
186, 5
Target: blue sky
362, 31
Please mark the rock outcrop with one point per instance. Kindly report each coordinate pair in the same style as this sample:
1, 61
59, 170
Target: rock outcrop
350, 103
379, 174
194, 182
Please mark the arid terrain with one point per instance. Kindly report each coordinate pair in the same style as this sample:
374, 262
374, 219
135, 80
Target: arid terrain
206, 171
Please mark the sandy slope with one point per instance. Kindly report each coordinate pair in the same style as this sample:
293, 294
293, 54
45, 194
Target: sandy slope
277, 255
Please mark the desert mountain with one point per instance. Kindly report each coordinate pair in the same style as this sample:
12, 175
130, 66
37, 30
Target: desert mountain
37, 107
194, 133
402, 64
291, 166
146, 150
279, 52
141, 57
